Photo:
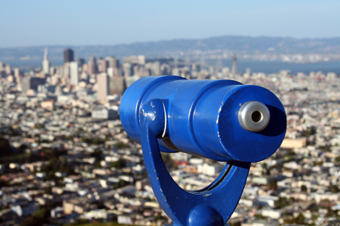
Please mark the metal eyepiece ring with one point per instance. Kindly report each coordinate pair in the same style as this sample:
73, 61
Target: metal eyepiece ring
253, 116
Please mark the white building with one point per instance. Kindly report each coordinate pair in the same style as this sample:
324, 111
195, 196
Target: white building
104, 113
103, 87
210, 170
266, 200
74, 73
57, 212
271, 213
46, 63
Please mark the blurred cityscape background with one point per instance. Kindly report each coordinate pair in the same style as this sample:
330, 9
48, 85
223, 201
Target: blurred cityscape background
65, 158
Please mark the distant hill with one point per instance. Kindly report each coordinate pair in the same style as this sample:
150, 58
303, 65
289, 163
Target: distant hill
182, 47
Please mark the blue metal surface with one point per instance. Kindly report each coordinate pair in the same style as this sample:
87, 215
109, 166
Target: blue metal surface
202, 117
169, 113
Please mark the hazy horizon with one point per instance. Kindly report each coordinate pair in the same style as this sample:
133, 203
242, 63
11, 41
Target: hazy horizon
174, 39
46, 23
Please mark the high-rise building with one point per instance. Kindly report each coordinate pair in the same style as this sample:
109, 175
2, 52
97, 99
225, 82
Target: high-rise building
113, 66
103, 87
127, 67
46, 63
110, 72
17, 75
234, 64
8, 69
102, 67
74, 73
81, 62
195, 69
117, 85
31, 83
92, 66
141, 59
68, 55
165, 69
66, 70
112, 62
156, 68
225, 72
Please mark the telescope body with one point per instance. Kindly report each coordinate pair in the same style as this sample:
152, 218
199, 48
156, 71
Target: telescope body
223, 120
218, 119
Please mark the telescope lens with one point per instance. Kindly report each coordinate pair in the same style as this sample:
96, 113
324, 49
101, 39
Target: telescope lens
256, 116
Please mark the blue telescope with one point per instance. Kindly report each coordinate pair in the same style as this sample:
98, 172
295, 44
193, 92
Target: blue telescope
222, 120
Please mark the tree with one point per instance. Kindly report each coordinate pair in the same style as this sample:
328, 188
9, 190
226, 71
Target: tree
158, 217
29, 221
333, 188
281, 202
337, 159
51, 166
5, 147
121, 145
235, 224
300, 219
42, 214
22, 148
39, 126
330, 212
168, 161
272, 185
97, 154
121, 183
310, 131
40, 217
303, 188
3, 183
319, 163
48, 190
120, 163
259, 216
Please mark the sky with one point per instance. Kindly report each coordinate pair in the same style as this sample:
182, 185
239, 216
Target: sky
109, 22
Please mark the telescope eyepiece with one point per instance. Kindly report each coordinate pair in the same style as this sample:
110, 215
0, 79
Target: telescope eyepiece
253, 116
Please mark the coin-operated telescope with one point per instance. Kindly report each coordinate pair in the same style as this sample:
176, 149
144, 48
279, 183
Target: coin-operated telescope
222, 120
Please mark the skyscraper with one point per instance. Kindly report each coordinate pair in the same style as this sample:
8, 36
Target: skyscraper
8, 69
68, 55
127, 67
117, 85
156, 68
81, 62
17, 75
112, 62
92, 66
103, 87
102, 65
31, 83
234, 64
113, 66
46, 63
74, 73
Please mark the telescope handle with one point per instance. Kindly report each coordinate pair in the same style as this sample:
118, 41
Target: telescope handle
212, 205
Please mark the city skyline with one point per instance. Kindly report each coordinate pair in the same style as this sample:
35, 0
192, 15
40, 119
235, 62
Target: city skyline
67, 70
66, 158
108, 23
